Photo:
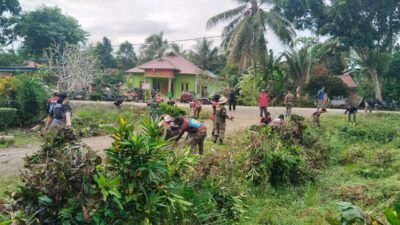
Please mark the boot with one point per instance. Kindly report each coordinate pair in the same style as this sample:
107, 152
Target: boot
215, 139
221, 142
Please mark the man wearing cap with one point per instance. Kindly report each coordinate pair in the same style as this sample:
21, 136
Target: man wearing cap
220, 121
263, 103
197, 131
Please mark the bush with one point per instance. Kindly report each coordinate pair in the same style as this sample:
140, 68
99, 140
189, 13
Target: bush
287, 155
95, 97
150, 175
7, 116
59, 187
171, 110
31, 100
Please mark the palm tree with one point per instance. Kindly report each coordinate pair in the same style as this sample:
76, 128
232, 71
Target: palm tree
244, 35
298, 65
155, 47
204, 55
177, 49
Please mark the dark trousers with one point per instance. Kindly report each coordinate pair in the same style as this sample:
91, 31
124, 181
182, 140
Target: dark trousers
232, 104
263, 111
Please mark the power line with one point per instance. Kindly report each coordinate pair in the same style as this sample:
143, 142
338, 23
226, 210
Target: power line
173, 41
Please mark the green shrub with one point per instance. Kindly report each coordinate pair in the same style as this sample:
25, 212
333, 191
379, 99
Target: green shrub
393, 214
95, 97
287, 155
31, 100
7, 116
87, 127
171, 110
59, 187
150, 175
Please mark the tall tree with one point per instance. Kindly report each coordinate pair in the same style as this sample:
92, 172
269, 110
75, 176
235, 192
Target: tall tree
244, 34
11, 58
155, 47
126, 56
46, 27
204, 55
7, 8
369, 27
73, 65
299, 62
103, 52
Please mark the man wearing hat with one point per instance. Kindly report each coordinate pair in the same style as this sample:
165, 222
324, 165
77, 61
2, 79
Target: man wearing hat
220, 121
263, 103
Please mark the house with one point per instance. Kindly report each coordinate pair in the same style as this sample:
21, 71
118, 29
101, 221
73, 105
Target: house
341, 101
348, 81
171, 75
31, 66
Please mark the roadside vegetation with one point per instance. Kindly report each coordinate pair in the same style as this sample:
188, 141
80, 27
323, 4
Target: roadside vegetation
294, 175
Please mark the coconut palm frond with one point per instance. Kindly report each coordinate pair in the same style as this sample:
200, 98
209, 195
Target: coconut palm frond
225, 16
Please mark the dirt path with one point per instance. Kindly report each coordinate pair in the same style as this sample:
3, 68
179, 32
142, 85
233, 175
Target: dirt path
11, 161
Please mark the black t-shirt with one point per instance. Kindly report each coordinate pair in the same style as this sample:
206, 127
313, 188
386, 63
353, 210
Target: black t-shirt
59, 110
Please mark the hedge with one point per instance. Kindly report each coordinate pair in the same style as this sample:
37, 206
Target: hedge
7, 116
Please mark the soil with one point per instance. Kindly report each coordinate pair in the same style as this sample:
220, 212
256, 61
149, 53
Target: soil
11, 159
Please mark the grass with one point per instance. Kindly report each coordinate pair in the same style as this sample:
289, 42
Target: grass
83, 120
23, 137
8, 184
368, 176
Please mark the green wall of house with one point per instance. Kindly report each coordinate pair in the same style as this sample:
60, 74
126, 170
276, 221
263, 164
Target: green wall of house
137, 78
178, 81
190, 79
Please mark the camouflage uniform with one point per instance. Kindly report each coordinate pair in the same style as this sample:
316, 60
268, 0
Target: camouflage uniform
197, 133
213, 116
154, 110
220, 123
289, 99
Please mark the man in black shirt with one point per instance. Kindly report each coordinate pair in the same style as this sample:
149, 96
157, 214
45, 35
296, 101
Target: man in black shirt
61, 114
232, 100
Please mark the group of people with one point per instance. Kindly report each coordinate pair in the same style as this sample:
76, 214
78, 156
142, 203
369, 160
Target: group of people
60, 115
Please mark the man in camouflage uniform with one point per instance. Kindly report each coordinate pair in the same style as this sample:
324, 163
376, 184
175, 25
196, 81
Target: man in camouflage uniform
289, 99
220, 121
197, 132
154, 109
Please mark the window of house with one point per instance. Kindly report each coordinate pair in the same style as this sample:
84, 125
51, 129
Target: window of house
185, 86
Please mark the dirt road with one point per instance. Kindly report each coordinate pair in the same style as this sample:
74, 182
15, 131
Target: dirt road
11, 161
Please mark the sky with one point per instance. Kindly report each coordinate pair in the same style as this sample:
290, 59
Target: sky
134, 20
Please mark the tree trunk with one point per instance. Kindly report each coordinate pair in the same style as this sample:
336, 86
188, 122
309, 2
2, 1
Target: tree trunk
377, 84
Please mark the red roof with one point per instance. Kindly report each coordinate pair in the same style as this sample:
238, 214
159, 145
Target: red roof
172, 62
346, 78
158, 64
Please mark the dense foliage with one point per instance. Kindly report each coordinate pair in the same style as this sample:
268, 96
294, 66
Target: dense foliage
171, 110
46, 27
287, 155
8, 7
7, 116
333, 86
31, 99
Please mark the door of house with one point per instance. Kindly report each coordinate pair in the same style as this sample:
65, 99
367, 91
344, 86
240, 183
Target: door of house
164, 87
